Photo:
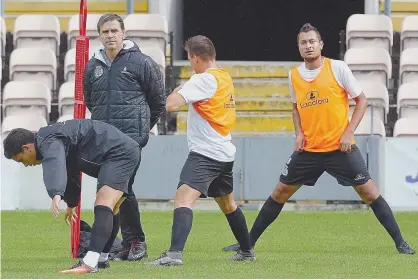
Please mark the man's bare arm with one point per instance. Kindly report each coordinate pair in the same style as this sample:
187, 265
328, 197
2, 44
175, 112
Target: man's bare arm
358, 113
296, 119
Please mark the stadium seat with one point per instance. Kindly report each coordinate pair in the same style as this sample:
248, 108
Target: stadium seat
147, 30
408, 100
69, 64
408, 66
157, 55
34, 123
26, 98
66, 99
409, 32
34, 64
2, 37
91, 30
367, 127
370, 64
364, 31
37, 31
405, 127
377, 97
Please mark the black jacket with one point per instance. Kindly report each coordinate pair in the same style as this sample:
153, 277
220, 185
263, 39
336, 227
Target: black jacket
66, 148
127, 93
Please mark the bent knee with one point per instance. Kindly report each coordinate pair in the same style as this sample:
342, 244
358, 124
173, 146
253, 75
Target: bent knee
227, 203
228, 208
186, 196
283, 192
108, 196
368, 192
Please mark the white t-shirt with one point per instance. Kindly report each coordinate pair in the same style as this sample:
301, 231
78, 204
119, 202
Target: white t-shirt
201, 137
342, 74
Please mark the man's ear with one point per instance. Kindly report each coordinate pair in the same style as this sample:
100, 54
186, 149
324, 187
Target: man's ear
197, 59
26, 147
321, 43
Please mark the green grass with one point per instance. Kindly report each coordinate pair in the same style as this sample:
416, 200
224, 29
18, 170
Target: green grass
297, 245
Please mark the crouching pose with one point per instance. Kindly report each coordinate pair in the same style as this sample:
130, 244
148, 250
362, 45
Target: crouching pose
97, 149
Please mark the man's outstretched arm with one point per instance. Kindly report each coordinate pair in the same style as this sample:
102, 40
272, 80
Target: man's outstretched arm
54, 167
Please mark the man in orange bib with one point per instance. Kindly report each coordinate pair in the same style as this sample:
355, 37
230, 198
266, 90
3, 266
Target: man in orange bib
207, 172
325, 137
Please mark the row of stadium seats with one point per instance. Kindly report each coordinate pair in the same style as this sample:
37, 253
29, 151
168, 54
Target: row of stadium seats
371, 66
34, 97
369, 39
33, 65
40, 64
29, 91
44, 31
375, 64
35, 122
403, 127
377, 31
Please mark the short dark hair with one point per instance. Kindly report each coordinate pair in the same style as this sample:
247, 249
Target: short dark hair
110, 17
308, 27
201, 46
15, 140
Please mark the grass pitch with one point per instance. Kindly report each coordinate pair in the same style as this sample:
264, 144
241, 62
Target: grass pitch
297, 245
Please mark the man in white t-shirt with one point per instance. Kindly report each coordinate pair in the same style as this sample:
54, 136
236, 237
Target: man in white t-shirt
325, 137
208, 169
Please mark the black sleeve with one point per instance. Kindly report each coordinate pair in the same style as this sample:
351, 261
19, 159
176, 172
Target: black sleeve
87, 87
154, 88
54, 167
73, 189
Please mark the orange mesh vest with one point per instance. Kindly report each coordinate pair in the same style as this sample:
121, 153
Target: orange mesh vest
323, 109
219, 110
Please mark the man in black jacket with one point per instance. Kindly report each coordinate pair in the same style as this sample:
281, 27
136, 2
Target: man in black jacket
125, 88
95, 148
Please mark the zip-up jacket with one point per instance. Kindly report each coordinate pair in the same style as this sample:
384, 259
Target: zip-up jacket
127, 92
66, 148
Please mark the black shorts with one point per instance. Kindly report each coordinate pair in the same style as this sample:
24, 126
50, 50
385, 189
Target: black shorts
117, 170
210, 177
305, 168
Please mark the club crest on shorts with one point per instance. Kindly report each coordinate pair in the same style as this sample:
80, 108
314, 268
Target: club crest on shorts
285, 171
98, 71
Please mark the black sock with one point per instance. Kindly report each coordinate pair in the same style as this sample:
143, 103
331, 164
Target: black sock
239, 228
131, 221
113, 235
268, 213
385, 216
102, 228
182, 224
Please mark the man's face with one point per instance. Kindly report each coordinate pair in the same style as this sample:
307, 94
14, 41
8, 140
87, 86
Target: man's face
28, 156
310, 46
112, 35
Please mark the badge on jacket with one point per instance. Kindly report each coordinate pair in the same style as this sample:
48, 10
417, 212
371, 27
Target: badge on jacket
98, 71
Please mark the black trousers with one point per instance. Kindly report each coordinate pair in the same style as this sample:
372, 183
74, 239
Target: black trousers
130, 221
